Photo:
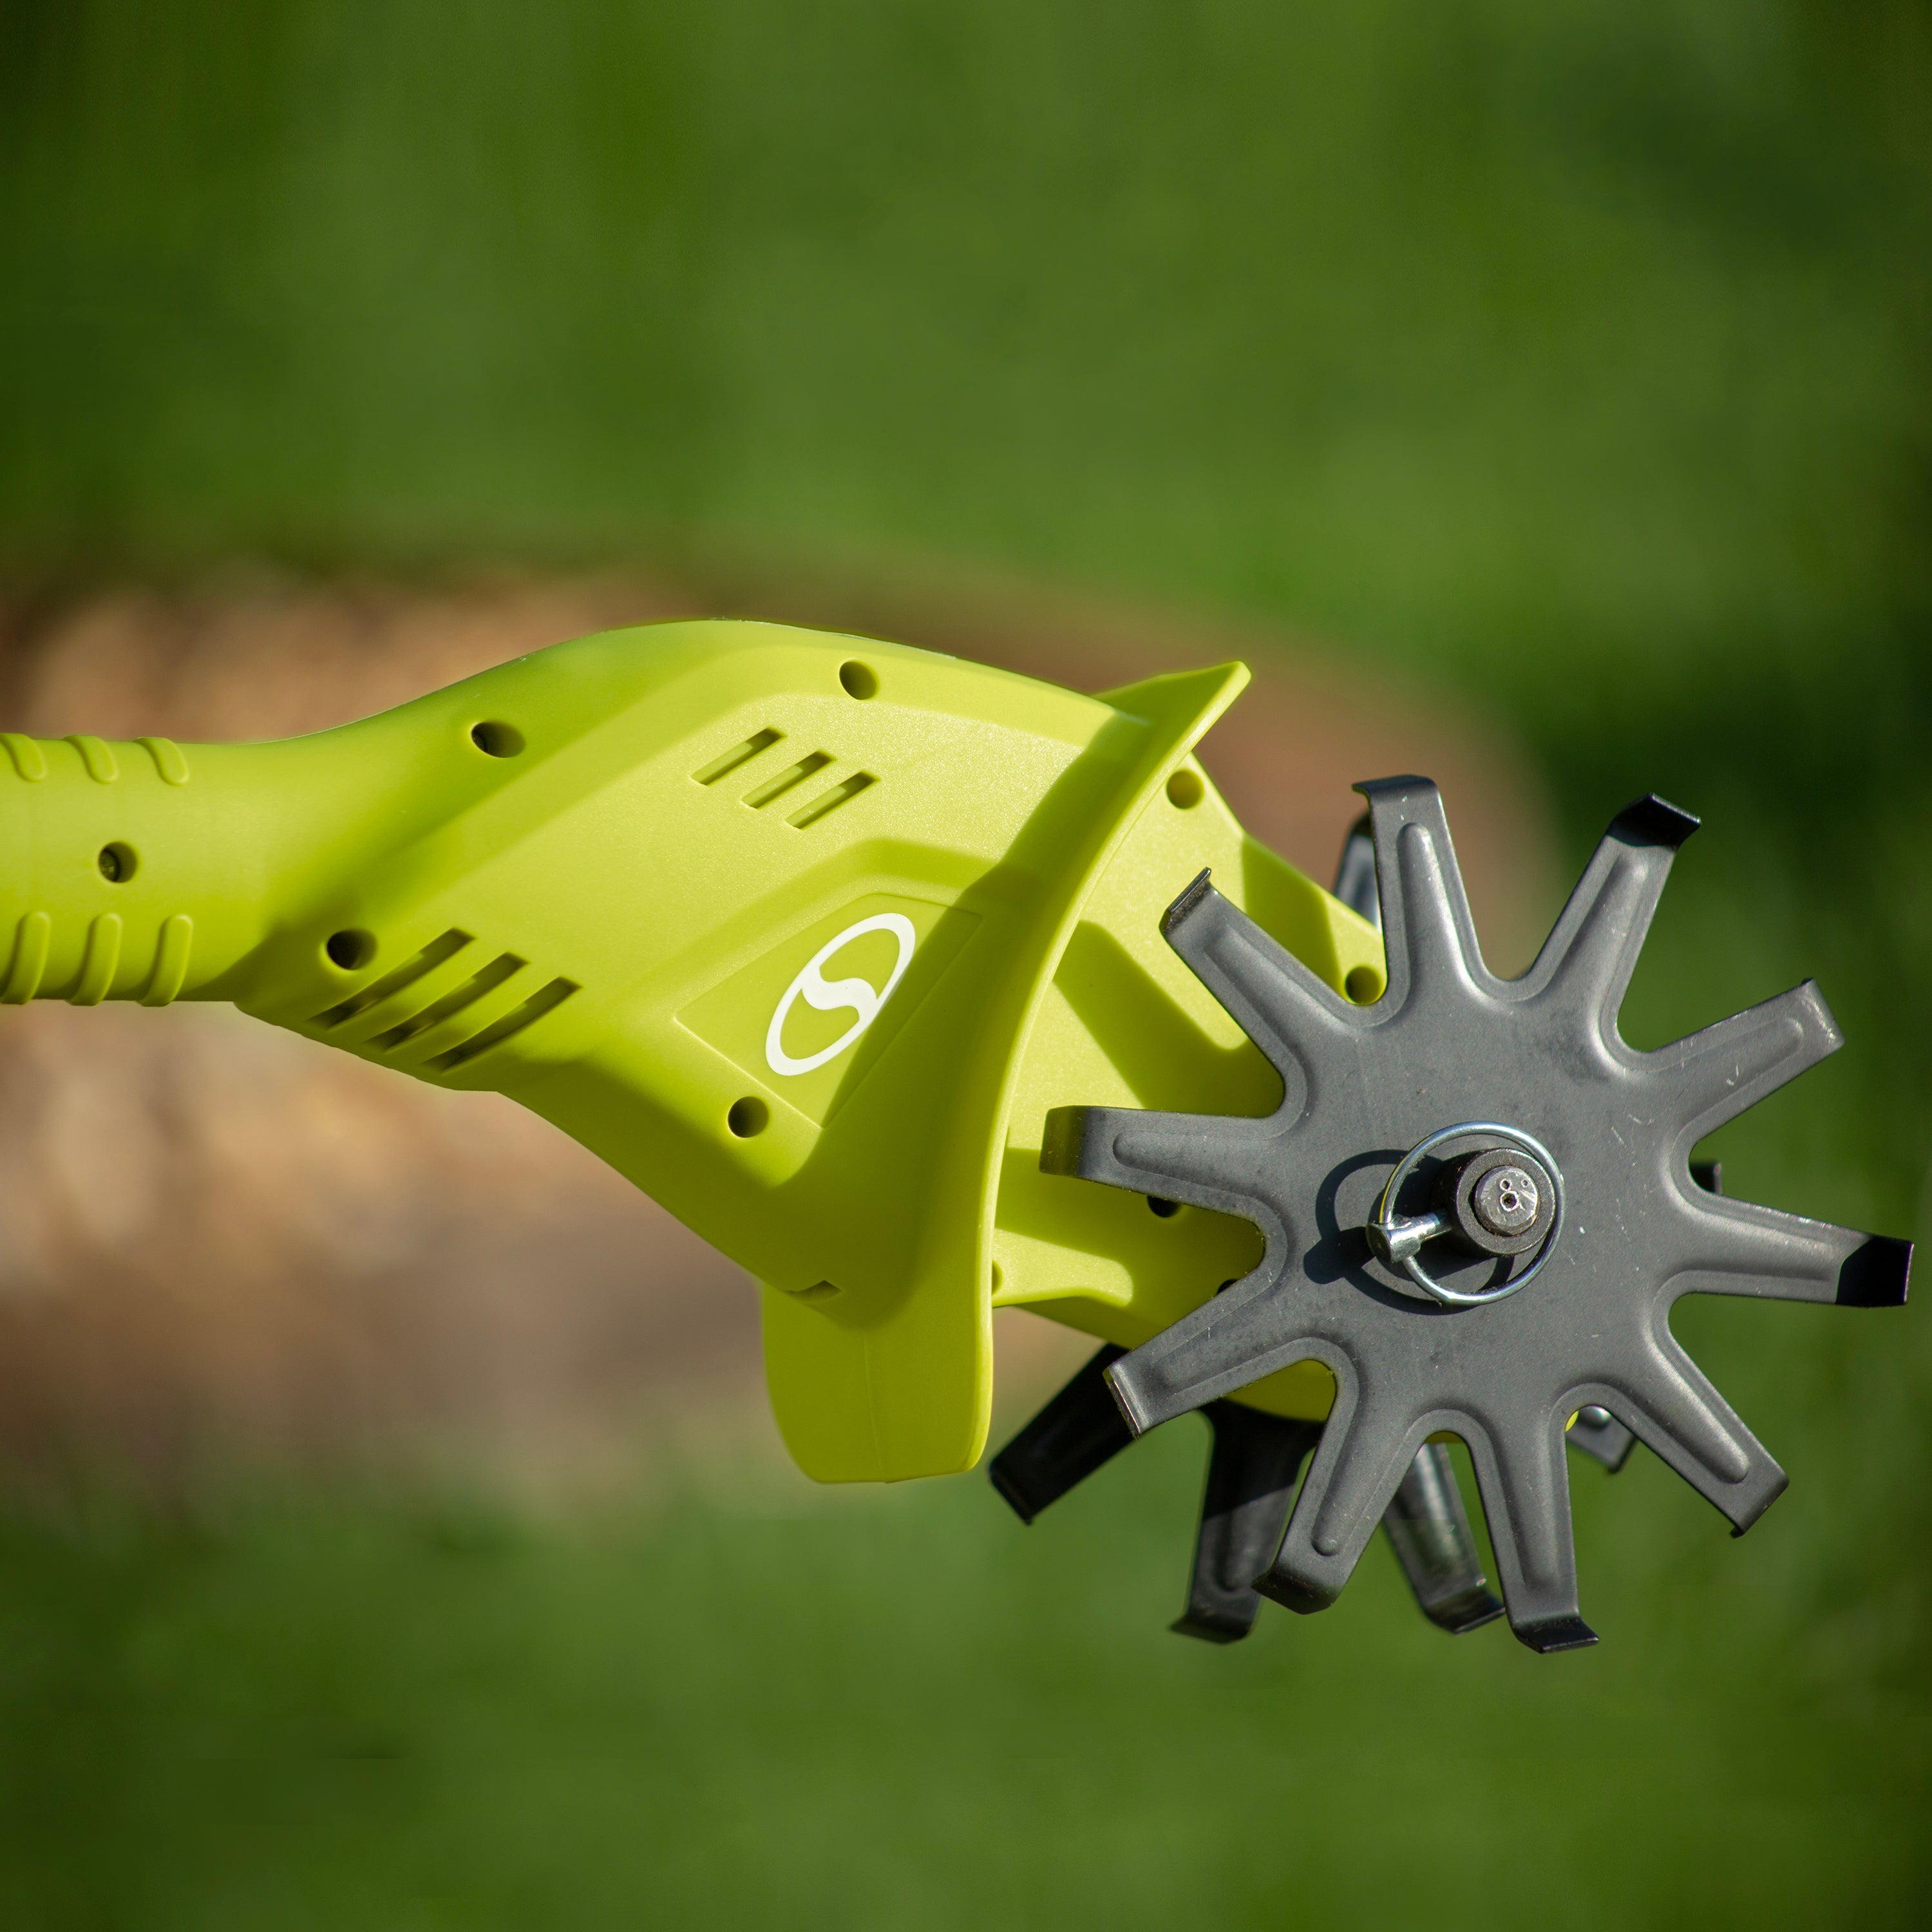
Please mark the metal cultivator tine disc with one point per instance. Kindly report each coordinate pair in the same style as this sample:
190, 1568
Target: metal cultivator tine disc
1476, 1206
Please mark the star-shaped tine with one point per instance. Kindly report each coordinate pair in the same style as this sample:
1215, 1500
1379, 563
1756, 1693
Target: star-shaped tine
1289, 1012
1587, 961
1524, 1482
1365, 1453
1672, 1407
1711, 1077
1736, 1247
1171, 1157
1427, 931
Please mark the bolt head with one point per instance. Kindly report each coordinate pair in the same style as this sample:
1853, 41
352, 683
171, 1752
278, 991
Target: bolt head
1506, 1200
1501, 1199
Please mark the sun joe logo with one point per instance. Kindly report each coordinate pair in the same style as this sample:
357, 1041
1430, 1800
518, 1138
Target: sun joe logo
858, 996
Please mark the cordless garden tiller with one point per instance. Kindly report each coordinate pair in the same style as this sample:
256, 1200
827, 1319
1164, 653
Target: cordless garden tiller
923, 989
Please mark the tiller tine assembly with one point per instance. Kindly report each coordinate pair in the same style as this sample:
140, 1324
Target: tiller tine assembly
1477, 1207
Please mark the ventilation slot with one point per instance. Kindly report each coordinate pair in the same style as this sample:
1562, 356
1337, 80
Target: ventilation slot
841, 793
432, 956
792, 775
505, 966
546, 999
759, 743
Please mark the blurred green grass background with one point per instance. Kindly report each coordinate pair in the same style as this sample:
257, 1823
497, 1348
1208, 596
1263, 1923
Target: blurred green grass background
1571, 358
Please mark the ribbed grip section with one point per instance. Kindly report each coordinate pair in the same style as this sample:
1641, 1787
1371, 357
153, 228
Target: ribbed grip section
108, 850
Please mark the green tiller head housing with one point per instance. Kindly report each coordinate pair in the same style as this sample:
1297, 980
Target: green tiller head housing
805, 934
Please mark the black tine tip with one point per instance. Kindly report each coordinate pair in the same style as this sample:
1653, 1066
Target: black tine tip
1653, 821
1224, 1625
1555, 1634
1013, 1494
1197, 889
1403, 782
1877, 1274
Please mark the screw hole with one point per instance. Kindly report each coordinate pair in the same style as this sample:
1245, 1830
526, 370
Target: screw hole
1165, 1209
1185, 789
350, 949
117, 863
498, 739
748, 1116
1363, 985
860, 680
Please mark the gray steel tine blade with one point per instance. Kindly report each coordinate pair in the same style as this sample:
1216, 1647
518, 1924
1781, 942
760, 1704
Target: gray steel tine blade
1429, 937
1525, 1491
1587, 960
1429, 1529
1080, 1430
1251, 1478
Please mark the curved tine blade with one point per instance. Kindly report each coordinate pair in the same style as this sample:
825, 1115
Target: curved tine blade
1713, 1076
1251, 1476
1674, 1410
1362, 1460
1524, 1486
1173, 1156
1601, 1437
1592, 949
1355, 873
1429, 1529
1427, 931
1736, 1247
1283, 1006
1245, 1332
1077, 1433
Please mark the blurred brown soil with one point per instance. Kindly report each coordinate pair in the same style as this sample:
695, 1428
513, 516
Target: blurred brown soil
218, 1239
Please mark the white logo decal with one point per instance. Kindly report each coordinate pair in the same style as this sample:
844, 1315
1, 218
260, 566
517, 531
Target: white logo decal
828, 996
